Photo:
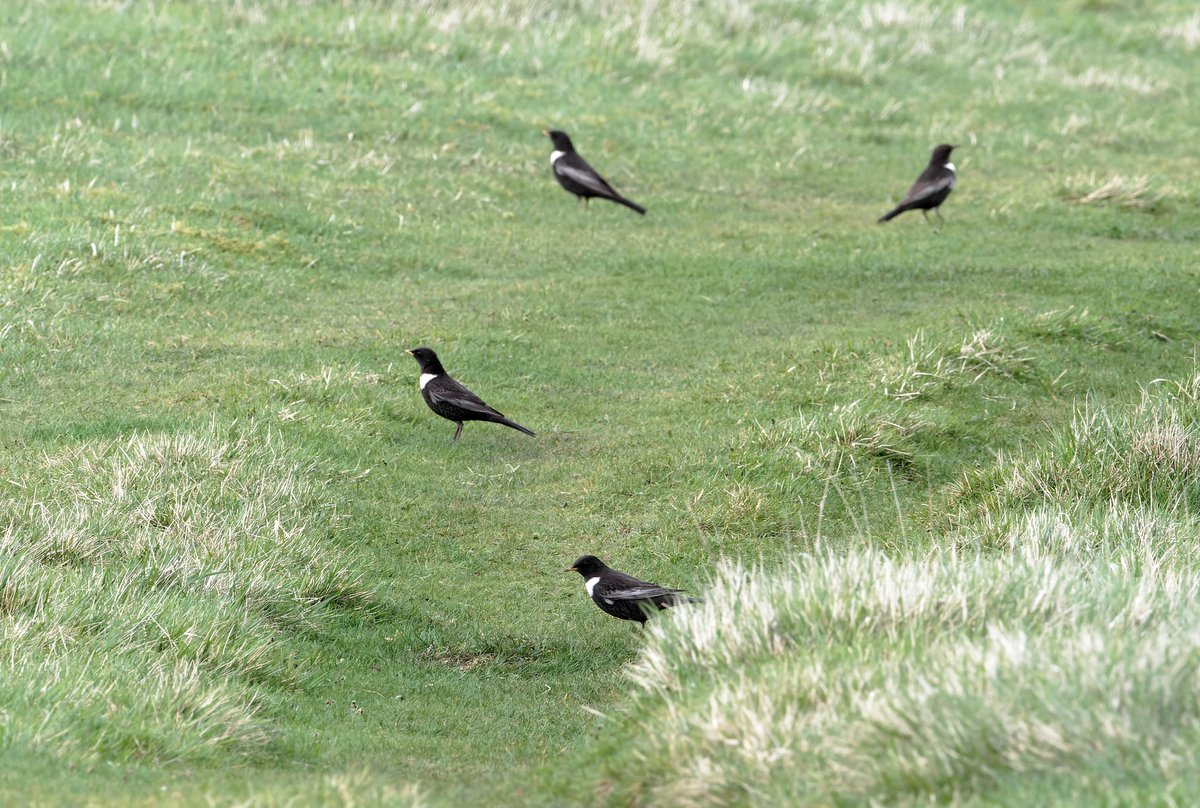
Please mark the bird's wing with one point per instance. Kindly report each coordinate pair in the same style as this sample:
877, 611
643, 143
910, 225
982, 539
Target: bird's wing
575, 168
619, 586
644, 592
926, 187
445, 390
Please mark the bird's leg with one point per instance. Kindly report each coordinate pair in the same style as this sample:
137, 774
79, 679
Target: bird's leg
938, 211
458, 431
925, 213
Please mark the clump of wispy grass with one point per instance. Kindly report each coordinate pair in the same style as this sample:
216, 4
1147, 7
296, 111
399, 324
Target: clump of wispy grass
872, 680
145, 587
857, 435
846, 447
1117, 478
1184, 33
1146, 456
1137, 192
930, 366
1123, 535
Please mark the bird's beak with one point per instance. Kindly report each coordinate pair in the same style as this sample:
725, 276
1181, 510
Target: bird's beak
410, 353
546, 132
570, 569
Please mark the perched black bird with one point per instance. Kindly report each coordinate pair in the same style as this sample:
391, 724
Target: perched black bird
574, 174
450, 399
623, 595
931, 188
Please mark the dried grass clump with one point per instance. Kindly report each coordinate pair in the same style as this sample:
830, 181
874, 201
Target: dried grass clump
1137, 192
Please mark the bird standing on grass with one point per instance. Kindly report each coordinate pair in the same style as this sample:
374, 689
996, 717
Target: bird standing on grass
623, 595
451, 400
931, 188
574, 174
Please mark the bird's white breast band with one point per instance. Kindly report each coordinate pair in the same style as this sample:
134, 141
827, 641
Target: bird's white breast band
590, 584
554, 155
426, 378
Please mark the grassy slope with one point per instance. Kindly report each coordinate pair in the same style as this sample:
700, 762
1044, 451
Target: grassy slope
240, 215
1060, 663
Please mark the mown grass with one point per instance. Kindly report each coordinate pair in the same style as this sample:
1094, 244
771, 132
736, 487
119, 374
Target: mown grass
242, 561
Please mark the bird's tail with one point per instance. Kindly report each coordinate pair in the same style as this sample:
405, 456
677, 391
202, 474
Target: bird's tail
516, 426
892, 214
630, 204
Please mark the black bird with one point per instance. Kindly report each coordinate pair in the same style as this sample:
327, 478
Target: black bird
574, 173
451, 400
931, 188
623, 595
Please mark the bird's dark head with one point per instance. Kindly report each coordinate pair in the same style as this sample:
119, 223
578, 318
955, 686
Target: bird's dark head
587, 566
560, 140
941, 154
427, 359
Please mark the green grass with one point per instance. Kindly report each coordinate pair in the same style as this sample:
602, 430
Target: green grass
242, 561
1044, 650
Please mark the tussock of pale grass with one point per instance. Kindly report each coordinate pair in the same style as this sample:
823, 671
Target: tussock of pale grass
851, 436
145, 584
924, 368
1146, 456
1184, 33
870, 679
928, 367
1128, 192
1126, 536
986, 352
